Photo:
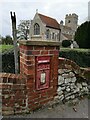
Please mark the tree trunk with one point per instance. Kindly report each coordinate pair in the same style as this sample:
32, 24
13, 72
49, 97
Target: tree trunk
13, 18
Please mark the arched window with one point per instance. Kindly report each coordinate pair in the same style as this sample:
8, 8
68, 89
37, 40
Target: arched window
47, 34
36, 29
69, 21
53, 36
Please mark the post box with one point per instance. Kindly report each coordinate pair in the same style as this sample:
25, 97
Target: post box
42, 72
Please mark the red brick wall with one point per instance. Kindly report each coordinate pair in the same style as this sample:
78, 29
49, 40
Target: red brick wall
37, 98
13, 93
19, 93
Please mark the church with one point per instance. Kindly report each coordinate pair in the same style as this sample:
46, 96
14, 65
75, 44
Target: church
44, 28
68, 30
47, 28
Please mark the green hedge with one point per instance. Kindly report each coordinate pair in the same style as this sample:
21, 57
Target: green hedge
66, 43
80, 56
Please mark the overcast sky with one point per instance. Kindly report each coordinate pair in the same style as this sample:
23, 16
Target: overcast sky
26, 9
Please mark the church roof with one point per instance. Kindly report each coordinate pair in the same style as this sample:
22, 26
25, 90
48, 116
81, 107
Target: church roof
50, 22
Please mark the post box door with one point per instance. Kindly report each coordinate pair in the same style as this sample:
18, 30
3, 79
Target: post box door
42, 72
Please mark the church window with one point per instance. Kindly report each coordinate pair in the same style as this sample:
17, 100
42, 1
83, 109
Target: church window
53, 36
36, 29
47, 34
69, 21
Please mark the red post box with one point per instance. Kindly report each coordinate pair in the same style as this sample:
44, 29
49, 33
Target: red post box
42, 72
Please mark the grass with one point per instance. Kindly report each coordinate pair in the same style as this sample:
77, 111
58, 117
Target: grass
4, 48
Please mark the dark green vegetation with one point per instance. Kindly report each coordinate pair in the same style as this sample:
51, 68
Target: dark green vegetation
82, 35
7, 40
80, 56
66, 43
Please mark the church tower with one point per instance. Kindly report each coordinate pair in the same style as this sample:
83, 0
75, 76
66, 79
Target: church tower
71, 21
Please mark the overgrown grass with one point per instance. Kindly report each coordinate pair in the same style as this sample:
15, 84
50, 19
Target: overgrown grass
4, 48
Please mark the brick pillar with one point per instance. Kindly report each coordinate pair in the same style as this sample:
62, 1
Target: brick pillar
29, 52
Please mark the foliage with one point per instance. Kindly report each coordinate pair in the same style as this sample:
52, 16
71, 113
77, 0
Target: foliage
7, 40
23, 29
4, 48
82, 35
80, 56
66, 43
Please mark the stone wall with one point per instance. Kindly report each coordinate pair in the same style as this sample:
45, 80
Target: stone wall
66, 81
73, 82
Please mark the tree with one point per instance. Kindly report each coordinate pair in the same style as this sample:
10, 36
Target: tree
82, 35
14, 33
7, 40
23, 29
66, 43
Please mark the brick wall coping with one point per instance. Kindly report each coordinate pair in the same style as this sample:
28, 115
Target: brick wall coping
39, 43
12, 78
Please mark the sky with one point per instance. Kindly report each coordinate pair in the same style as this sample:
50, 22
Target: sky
26, 9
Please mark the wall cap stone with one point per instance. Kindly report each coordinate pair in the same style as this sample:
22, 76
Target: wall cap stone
39, 43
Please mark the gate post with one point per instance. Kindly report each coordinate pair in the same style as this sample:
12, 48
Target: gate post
39, 63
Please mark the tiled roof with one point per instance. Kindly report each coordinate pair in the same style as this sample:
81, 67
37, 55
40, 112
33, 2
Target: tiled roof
50, 22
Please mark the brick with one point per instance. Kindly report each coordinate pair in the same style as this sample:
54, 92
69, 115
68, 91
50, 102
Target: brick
54, 52
29, 72
30, 58
22, 59
30, 88
39, 47
30, 81
28, 52
30, 77
50, 48
29, 67
46, 101
33, 106
6, 86
33, 98
43, 52
35, 52
22, 51
28, 47
5, 79
43, 94
29, 62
